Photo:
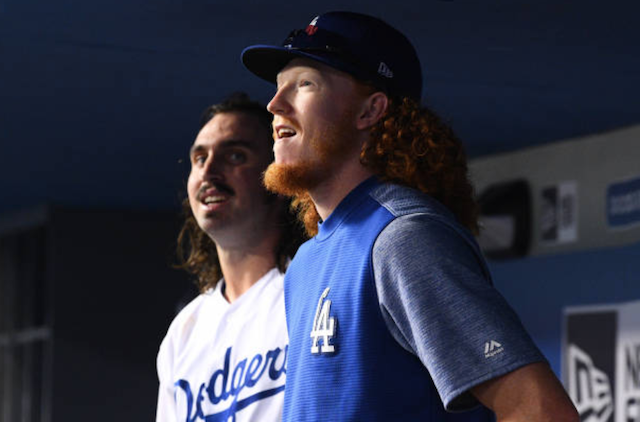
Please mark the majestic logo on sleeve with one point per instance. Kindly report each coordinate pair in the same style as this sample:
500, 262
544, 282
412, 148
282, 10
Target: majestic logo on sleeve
492, 348
226, 383
324, 326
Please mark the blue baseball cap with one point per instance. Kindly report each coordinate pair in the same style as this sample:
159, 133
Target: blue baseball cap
365, 47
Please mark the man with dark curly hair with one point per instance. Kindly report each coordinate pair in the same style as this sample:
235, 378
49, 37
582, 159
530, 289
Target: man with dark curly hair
391, 311
223, 357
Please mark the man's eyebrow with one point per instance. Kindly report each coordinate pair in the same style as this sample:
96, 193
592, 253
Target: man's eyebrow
229, 143
237, 143
195, 148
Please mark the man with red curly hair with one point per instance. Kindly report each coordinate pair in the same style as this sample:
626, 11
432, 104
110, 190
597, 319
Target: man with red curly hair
391, 311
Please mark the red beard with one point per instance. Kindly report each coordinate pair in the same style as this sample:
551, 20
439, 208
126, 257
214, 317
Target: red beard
292, 179
331, 147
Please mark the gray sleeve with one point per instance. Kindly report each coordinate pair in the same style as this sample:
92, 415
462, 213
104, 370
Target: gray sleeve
439, 303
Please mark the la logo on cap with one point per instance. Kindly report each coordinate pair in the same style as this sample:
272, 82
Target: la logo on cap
312, 28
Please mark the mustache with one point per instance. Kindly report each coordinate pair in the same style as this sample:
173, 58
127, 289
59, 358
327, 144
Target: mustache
219, 186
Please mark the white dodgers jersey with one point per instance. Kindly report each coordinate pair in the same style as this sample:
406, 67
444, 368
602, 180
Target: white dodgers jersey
222, 361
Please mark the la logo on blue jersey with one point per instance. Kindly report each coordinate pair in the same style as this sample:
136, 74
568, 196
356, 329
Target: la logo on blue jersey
323, 326
221, 386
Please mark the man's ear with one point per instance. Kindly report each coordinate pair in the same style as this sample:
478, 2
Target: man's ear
373, 108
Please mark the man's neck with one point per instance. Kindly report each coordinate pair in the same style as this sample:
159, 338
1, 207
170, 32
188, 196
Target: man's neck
243, 267
336, 187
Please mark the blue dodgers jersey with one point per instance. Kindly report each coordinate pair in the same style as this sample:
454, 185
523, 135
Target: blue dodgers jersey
344, 361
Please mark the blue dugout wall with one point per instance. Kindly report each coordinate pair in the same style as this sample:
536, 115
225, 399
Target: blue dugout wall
540, 287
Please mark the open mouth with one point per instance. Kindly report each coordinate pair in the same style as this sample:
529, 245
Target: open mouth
214, 193
284, 132
213, 199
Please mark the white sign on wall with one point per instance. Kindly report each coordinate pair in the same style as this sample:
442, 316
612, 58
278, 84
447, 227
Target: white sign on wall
585, 193
559, 213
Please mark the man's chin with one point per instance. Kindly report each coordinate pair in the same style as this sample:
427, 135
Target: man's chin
210, 220
291, 179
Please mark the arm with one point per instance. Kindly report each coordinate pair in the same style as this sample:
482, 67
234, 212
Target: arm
438, 301
530, 393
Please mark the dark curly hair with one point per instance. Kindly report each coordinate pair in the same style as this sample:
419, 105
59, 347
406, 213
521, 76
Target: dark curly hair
196, 252
412, 146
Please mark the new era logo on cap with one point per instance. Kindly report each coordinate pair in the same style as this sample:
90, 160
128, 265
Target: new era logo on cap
384, 70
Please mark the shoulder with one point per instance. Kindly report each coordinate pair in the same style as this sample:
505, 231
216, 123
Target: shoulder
267, 294
270, 283
179, 331
194, 307
275, 279
402, 200
185, 321
421, 226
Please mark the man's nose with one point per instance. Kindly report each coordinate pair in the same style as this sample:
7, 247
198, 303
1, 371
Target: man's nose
213, 168
279, 104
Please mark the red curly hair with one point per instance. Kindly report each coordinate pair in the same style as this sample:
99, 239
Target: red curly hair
412, 146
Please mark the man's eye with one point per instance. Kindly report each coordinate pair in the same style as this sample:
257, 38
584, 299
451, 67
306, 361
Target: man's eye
304, 82
237, 157
199, 159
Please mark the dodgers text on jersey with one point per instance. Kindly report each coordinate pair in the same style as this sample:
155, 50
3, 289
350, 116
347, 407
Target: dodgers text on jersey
225, 384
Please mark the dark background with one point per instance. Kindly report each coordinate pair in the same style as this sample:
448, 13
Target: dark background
100, 100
